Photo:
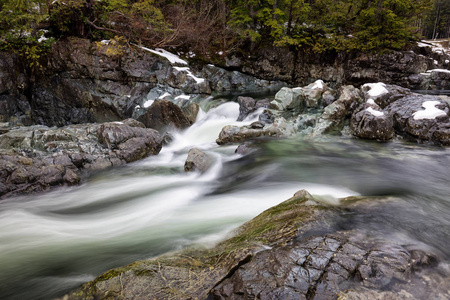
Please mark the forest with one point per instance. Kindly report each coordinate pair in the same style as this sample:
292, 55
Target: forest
213, 26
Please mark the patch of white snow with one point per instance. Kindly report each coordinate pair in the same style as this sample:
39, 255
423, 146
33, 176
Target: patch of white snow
431, 111
174, 59
105, 42
189, 73
164, 95
185, 97
440, 70
42, 39
148, 103
435, 62
318, 84
371, 101
374, 112
376, 89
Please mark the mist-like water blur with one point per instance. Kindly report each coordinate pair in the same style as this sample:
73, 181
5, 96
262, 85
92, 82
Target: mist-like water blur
53, 242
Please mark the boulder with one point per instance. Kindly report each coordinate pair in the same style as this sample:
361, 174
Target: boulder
163, 115
290, 251
421, 118
247, 105
288, 99
235, 134
370, 122
335, 114
197, 160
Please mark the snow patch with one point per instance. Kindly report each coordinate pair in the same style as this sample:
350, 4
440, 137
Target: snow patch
174, 59
42, 39
435, 62
431, 111
164, 95
319, 84
374, 112
189, 73
376, 89
184, 97
447, 61
148, 103
105, 42
371, 101
440, 70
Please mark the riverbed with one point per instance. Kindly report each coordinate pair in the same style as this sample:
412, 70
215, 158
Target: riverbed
53, 242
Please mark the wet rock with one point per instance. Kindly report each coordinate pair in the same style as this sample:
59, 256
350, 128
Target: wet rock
163, 115
266, 117
197, 160
421, 118
235, 134
288, 99
35, 158
274, 256
191, 111
248, 105
370, 122
335, 114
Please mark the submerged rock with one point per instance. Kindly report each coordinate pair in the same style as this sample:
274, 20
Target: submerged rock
290, 251
38, 157
197, 160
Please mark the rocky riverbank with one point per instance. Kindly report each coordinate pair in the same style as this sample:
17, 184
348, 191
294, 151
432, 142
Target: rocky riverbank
295, 250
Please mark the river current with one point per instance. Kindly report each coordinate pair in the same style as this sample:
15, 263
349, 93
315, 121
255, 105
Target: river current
53, 242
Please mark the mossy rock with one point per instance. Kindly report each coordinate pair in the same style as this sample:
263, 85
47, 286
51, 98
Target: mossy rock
193, 272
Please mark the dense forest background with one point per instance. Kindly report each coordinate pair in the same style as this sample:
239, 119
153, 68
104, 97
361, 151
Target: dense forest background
221, 26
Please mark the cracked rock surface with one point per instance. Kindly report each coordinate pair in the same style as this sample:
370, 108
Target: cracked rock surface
291, 251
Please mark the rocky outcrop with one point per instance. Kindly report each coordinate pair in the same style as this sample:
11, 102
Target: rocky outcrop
197, 160
290, 251
36, 158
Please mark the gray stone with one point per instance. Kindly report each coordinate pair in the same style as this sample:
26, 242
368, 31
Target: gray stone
197, 160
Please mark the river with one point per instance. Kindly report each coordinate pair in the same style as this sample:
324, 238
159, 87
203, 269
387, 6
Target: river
53, 242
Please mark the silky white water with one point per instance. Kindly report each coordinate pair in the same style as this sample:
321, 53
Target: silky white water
53, 242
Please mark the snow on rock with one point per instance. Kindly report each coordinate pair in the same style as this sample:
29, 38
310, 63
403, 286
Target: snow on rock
148, 103
318, 84
430, 112
174, 59
189, 73
184, 97
439, 70
371, 101
374, 112
375, 89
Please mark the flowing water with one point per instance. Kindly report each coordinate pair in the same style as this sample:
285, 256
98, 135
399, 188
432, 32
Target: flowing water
53, 242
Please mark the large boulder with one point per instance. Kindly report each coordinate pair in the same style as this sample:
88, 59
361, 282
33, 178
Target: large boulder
290, 251
421, 118
370, 122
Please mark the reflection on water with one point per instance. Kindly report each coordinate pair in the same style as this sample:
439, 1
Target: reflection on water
54, 242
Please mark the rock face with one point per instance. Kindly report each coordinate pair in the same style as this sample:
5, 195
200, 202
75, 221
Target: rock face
282, 254
35, 158
197, 160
